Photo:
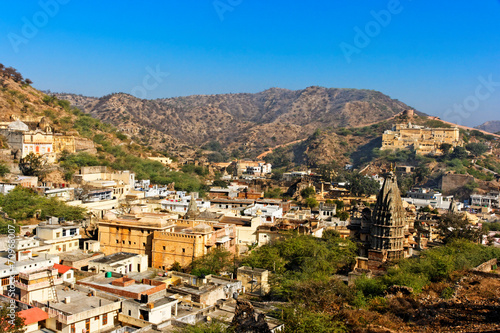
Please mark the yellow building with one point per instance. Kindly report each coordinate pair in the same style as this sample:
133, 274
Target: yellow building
132, 233
423, 140
190, 240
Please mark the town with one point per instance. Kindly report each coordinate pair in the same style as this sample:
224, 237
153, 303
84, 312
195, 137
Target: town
106, 251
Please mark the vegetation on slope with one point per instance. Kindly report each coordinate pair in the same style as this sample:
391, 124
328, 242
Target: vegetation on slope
114, 148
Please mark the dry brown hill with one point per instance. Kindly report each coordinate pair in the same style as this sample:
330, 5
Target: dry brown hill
255, 121
492, 126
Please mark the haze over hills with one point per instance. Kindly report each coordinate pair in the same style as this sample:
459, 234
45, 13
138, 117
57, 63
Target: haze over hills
269, 118
492, 126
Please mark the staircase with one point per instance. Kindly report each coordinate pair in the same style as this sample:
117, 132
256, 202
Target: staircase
52, 292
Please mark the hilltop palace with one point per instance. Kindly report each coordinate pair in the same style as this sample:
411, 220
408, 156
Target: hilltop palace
421, 139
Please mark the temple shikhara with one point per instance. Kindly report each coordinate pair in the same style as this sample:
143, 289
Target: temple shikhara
384, 233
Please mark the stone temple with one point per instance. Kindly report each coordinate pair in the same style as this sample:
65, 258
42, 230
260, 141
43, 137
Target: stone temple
384, 233
388, 223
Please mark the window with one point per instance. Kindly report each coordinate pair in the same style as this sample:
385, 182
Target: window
183, 250
58, 326
143, 244
164, 248
117, 241
105, 319
96, 318
129, 312
87, 325
73, 328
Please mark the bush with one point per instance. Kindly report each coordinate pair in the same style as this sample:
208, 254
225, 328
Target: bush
4, 170
370, 287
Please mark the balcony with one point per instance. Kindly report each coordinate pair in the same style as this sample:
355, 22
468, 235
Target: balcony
36, 274
36, 286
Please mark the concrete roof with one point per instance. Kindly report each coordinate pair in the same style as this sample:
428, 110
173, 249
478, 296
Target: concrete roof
106, 282
79, 301
114, 258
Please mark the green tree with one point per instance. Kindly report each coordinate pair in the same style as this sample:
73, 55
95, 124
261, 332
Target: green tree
5, 229
456, 226
343, 216
445, 147
459, 153
22, 203
297, 319
361, 185
477, 149
33, 165
308, 192
214, 262
311, 202
220, 183
273, 193
339, 203
176, 267
8, 324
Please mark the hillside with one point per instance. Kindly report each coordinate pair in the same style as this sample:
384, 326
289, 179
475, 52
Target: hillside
109, 147
251, 122
492, 126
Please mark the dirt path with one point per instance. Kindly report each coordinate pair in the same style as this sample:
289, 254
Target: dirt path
270, 150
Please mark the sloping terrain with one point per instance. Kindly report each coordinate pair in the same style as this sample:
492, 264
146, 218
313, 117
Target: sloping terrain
255, 121
492, 126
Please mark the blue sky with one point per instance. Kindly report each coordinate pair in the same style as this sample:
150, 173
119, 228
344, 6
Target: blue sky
441, 58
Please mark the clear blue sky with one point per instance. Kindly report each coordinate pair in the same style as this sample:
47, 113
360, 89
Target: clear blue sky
428, 54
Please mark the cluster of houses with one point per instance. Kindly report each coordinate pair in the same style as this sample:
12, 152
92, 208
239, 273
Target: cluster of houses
113, 271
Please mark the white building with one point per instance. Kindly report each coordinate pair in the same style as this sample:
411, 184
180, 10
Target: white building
327, 211
60, 237
490, 200
121, 262
259, 169
154, 311
81, 309
424, 197
9, 266
181, 205
269, 213
63, 194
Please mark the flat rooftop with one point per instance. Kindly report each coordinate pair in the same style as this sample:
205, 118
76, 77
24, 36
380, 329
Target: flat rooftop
157, 303
114, 258
79, 301
77, 255
106, 282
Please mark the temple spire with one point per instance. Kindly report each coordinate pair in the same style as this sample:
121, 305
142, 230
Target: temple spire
192, 211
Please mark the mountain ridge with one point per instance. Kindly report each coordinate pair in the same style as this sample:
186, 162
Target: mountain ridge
492, 126
245, 121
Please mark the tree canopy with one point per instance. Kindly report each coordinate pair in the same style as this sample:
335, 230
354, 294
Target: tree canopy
22, 203
302, 257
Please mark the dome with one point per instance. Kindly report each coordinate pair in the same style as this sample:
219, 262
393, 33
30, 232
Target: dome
44, 125
135, 210
18, 126
202, 228
109, 216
